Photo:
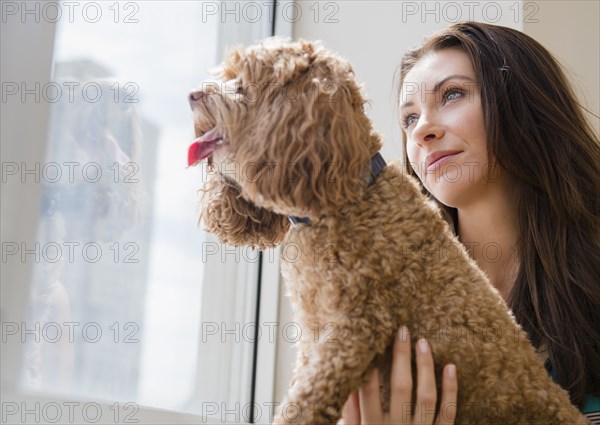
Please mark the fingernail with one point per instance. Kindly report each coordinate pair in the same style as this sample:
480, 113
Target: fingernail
451, 371
403, 334
423, 346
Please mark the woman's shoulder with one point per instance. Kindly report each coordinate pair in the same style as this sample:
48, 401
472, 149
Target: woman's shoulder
591, 408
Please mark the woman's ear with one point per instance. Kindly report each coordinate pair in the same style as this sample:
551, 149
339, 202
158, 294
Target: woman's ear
237, 221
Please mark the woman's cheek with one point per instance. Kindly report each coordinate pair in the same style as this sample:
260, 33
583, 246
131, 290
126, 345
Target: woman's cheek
413, 158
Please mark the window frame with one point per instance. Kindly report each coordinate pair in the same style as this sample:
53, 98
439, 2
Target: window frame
37, 38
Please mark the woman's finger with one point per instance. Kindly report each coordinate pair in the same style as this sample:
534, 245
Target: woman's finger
370, 400
426, 390
447, 413
351, 410
401, 385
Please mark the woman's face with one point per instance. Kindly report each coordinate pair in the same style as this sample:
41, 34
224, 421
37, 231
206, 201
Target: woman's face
442, 115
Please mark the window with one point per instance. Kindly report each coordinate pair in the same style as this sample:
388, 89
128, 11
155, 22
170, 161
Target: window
129, 301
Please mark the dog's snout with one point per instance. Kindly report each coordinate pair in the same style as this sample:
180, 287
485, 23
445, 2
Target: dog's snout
195, 96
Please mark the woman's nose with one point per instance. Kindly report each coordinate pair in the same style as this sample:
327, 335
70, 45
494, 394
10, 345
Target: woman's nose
427, 129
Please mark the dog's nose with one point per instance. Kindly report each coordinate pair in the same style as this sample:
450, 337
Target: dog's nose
194, 97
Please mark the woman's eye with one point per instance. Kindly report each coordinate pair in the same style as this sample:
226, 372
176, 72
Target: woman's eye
452, 94
409, 120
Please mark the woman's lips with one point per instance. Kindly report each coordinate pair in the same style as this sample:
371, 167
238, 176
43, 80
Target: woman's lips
437, 159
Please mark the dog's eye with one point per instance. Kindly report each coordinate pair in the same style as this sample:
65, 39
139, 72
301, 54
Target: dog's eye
239, 89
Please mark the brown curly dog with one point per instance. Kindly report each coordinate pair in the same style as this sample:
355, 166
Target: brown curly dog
286, 136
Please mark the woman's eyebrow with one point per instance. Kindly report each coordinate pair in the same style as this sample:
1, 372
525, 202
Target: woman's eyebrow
452, 77
437, 86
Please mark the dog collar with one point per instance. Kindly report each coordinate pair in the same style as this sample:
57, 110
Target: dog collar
377, 166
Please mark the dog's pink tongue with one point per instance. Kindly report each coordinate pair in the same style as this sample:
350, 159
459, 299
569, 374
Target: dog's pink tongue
202, 147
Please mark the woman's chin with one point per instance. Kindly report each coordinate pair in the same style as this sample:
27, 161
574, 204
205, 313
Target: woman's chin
447, 192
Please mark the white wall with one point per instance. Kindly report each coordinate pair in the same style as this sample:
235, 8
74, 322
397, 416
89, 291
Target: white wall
373, 35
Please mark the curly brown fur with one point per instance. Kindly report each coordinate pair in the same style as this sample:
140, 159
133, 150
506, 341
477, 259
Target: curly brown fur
237, 221
373, 258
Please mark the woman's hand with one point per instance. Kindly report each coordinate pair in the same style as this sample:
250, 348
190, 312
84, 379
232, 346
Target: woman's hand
364, 406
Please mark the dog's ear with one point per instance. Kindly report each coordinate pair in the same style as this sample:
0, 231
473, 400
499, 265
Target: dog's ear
237, 221
315, 146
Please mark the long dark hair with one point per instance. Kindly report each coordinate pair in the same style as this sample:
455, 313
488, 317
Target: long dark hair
537, 132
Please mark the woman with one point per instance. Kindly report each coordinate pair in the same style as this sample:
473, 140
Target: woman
494, 132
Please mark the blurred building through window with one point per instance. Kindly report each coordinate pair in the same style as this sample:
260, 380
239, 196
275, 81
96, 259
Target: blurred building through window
117, 291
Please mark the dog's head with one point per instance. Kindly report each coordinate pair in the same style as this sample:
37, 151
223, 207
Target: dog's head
285, 133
